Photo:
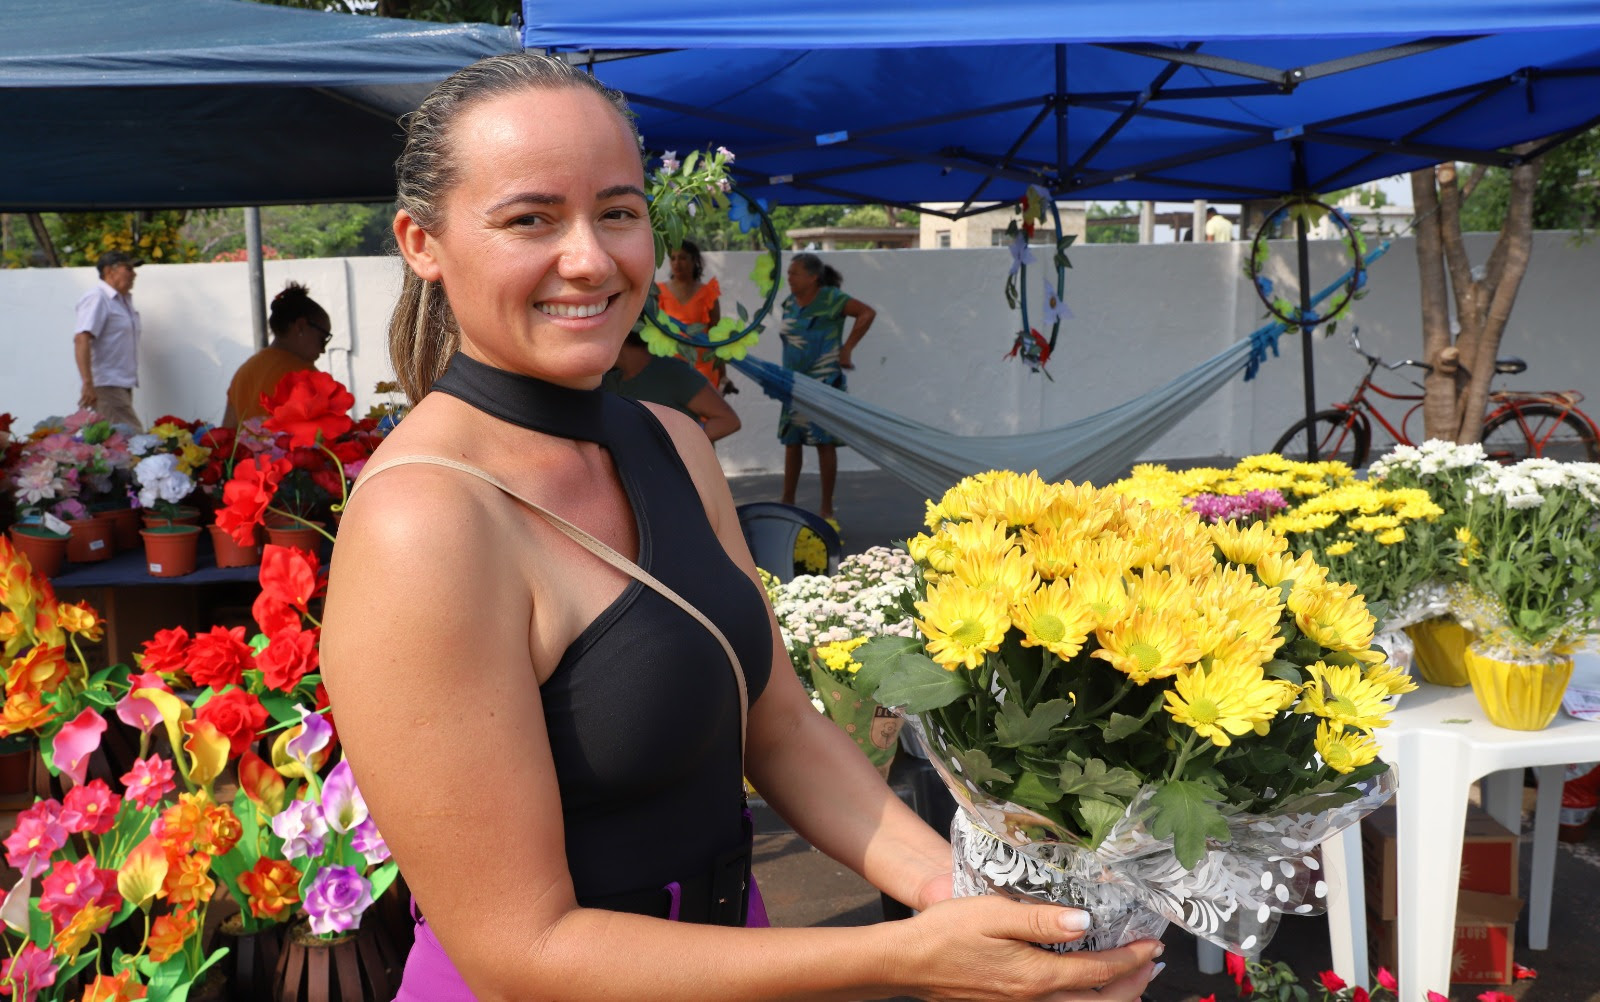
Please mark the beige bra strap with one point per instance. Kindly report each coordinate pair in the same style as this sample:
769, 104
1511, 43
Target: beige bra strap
604, 552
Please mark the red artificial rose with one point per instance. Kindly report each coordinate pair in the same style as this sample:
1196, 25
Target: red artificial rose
218, 439
291, 575
188, 426
219, 658
246, 496
166, 653
1331, 981
272, 616
290, 656
329, 479
1360, 995
237, 716
309, 406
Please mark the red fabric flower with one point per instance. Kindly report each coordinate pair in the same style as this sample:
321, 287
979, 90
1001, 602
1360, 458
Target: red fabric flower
1523, 973
236, 715
309, 406
1360, 995
272, 616
188, 426
290, 576
218, 439
167, 652
1239, 973
290, 656
219, 658
1332, 982
1387, 979
246, 496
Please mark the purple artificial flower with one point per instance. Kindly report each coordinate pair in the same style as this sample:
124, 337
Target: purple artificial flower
302, 829
368, 841
342, 805
336, 898
315, 733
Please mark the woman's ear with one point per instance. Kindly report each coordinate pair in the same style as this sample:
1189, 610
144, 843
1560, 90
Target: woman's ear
416, 246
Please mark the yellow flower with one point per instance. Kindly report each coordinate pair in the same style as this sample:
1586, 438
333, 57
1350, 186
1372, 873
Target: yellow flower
836, 656
937, 551
1470, 545
1247, 545
977, 536
1276, 568
1050, 619
1342, 694
1343, 750
1008, 573
167, 430
75, 935
192, 457
1100, 590
1393, 536
1391, 678
1015, 499
1054, 551
1161, 591
962, 624
1147, 645
1223, 701
1333, 615
1374, 523
1342, 547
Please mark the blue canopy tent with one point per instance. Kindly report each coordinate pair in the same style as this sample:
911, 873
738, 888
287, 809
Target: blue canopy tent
905, 102
203, 103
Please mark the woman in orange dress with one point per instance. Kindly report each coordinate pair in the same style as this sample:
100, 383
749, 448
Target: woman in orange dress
689, 300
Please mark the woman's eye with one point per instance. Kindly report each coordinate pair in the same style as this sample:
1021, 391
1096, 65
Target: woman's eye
621, 213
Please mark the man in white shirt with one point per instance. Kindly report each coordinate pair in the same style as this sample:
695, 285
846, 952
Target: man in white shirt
1219, 228
106, 344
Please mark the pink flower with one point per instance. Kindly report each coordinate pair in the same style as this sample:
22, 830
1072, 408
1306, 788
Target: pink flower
1493, 996
90, 808
149, 780
29, 972
343, 807
1436, 997
70, 886
75, 742
1387, 979
141, 713
30, 844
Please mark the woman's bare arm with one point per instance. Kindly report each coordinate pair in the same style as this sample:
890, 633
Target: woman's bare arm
863, 315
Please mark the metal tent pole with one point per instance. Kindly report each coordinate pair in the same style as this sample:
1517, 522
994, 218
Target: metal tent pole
1307, 367
258, 277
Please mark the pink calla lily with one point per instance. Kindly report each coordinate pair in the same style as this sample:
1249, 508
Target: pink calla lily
137, 712
75, 742
342, 804
315, 733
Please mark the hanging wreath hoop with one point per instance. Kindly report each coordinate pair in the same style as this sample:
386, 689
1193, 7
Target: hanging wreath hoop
1029, 345
1312, 210
731, 337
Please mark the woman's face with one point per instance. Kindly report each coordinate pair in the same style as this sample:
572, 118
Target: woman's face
545, 248
682, 266
801, 281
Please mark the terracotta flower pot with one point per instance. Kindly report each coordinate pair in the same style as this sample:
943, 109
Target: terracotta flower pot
184, 515
125, 524
294, 534
92, 540
169, 551
1518, 695
229, 552
45, 550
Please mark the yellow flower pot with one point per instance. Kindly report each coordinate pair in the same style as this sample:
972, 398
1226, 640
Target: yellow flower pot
1521, 696
1441, 642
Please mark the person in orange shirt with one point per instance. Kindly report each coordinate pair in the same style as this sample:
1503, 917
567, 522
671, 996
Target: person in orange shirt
300, 332
686, 298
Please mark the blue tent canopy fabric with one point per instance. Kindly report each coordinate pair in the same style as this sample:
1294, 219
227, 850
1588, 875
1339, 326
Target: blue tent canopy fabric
204, 103
907, 101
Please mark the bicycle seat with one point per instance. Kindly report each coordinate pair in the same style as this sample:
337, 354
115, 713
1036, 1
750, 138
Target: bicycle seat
1510, 366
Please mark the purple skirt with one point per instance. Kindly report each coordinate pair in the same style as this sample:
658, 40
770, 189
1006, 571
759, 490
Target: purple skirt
431, 977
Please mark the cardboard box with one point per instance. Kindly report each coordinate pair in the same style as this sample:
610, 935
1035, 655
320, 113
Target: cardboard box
1486, 926
1488, 858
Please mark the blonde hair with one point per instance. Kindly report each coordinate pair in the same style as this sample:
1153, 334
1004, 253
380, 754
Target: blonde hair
423, 333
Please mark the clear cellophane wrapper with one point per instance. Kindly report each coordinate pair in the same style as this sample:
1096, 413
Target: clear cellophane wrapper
1131, 884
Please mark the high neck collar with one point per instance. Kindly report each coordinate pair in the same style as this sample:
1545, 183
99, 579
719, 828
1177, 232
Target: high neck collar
526, 401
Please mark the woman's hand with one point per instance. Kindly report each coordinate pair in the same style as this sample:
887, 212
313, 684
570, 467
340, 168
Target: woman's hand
981, 949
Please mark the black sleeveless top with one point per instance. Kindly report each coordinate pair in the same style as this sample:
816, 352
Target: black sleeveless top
643, 709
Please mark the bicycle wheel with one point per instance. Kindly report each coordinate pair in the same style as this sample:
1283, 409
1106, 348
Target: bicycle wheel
1341, 435
1540, 430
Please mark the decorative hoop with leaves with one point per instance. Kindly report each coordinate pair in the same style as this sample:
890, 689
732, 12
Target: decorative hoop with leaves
1312, 211
678, 192
1029, 345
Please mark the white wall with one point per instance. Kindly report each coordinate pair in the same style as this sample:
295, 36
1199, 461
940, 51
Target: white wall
1143, 314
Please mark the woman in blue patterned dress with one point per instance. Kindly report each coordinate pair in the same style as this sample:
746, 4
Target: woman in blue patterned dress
814, 345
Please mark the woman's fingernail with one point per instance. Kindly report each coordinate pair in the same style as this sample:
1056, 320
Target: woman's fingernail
1157, 971
1075, 920
1160, 949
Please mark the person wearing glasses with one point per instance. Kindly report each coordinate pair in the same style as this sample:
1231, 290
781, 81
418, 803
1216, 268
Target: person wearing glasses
300, 333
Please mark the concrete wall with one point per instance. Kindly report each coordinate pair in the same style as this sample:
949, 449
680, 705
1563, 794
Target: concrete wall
1143, 314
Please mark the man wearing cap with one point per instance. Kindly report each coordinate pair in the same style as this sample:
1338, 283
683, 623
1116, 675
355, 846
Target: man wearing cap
107, 341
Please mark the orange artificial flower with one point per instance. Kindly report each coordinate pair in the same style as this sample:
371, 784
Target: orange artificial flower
179, 827
71, 940
122, 988
272, 886
262, 784
79, 618
24, 711
222, 830
168, 934
188, 880
208, 751
41, 670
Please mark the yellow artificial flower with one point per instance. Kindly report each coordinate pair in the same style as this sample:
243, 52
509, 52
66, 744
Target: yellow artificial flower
75, 935
1340, 548
1049, 618
1392, 536
192, 457
1246, 545
1397, 682
1333, 615
1147, 645
962, 624
1344, 750
1223, 701
169, 431
1343, 694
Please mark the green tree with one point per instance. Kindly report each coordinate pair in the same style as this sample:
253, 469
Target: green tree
1567, 196
449, 11
1111, 233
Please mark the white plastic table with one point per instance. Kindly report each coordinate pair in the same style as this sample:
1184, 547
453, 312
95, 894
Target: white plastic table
1436, 763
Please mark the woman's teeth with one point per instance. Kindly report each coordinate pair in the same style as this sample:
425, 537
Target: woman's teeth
574, 310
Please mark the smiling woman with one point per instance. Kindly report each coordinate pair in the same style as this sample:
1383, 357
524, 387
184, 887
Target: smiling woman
549, 654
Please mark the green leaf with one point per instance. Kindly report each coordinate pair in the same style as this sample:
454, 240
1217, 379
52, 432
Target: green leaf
918, 685
1015, 727
975, 765
1100, 817
878, 657
279, 707
382, 877
1121, 725
1182, 811
1093, 780
1031, 791
1288, 671
259, 642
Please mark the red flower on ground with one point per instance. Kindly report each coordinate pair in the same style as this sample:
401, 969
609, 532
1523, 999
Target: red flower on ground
166, 653
1493, 996
309, 406
290, 656
246, 496
1332, 982
237, 715
219, 658
1523, 973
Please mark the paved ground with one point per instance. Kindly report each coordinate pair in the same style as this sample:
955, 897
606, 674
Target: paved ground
804, 887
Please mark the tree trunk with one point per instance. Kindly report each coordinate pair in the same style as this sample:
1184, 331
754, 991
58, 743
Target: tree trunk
42, 235
1439, 385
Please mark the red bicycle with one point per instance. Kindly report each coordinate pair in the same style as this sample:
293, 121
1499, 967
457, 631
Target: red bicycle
1520, 424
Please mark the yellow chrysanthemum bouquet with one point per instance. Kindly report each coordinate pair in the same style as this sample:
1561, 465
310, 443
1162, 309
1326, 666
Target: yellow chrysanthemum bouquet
1139, 714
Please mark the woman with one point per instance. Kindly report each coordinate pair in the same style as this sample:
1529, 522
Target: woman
814, 345
671, 381
687, 299
301, 331
552, 750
